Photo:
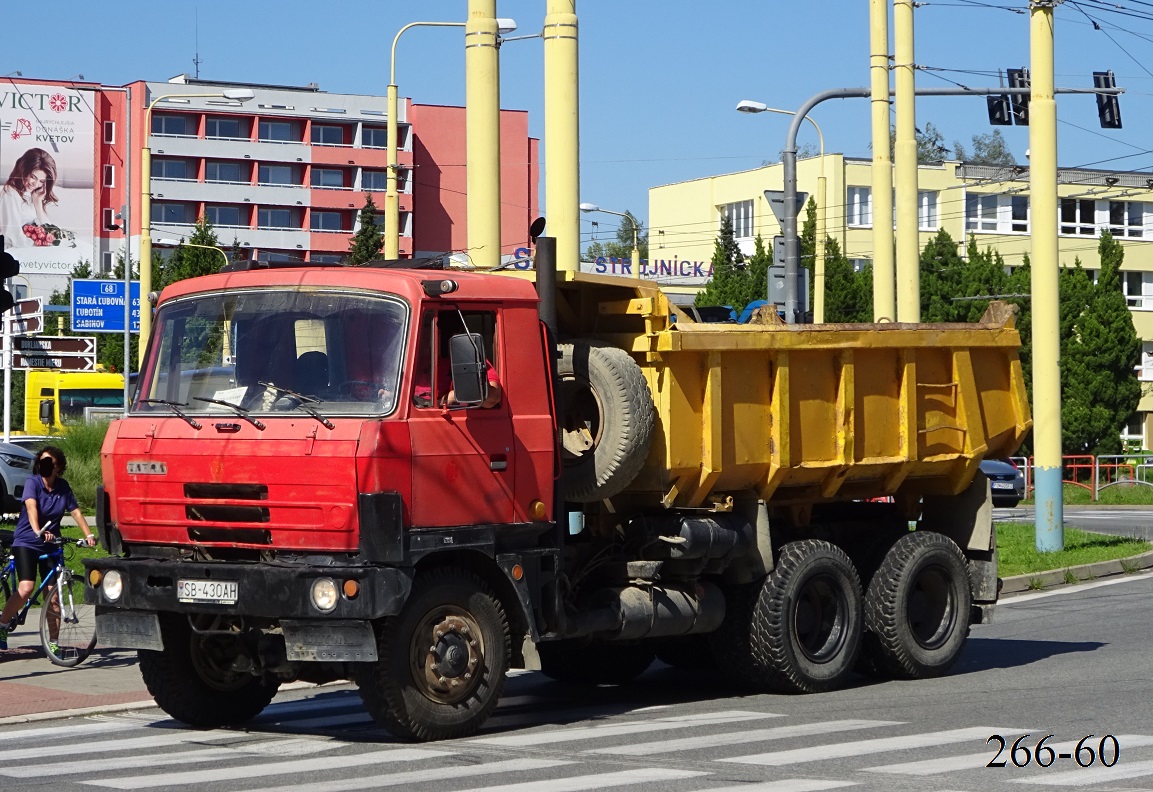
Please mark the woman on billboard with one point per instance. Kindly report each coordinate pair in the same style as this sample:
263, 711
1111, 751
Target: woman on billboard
24, 198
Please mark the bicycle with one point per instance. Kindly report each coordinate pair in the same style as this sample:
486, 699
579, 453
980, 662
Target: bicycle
64, 610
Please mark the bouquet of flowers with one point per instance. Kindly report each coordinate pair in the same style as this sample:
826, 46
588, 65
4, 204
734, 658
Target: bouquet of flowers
48, 234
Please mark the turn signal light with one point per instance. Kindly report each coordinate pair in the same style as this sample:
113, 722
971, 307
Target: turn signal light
537, 510
517, 572
351, 588
94, 577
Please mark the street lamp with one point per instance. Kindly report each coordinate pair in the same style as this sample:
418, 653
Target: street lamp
751, 106
590, 207
391, 195
235, 94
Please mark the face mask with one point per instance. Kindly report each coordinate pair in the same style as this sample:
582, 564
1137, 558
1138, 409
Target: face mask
47, 465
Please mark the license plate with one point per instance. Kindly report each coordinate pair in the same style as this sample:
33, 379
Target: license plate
220, 592
1002, 485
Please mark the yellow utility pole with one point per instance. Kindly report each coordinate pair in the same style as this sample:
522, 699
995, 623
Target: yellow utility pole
908, 239
482, 144
884, 276
1049, 517
562, 131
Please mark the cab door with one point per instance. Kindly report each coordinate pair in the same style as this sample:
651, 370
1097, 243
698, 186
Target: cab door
463, 464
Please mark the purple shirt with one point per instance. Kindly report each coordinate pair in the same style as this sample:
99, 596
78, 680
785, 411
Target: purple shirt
51, 506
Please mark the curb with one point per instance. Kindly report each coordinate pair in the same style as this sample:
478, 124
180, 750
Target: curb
1034, 581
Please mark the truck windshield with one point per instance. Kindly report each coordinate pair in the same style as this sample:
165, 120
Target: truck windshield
246, 348
73, 401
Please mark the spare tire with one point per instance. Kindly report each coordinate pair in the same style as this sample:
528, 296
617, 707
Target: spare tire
606, 420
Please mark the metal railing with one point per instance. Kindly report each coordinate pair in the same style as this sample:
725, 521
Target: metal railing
1096, 473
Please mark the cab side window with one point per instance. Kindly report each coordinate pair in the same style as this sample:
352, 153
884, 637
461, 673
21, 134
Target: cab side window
436, 328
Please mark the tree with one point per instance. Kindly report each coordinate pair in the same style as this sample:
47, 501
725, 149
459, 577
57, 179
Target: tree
368, 240
930, 144
622, 248
728, 286
990, 148
1101, 390
192, 262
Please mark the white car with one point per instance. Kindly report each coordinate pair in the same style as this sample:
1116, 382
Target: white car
15, 468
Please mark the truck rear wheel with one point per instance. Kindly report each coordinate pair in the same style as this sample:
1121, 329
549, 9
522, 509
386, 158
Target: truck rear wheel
917, 607
192, 679
442, 660
606, 421
806, 623
594, 662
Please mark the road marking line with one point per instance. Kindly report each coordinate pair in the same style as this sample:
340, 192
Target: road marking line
172, 737
1074, 588
628, 727
785, 785
417, 776
862, 747
952, 764
88, 727
737, 738
599, 781
1090, 775
269, 769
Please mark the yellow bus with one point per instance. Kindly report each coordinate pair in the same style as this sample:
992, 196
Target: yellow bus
54, 399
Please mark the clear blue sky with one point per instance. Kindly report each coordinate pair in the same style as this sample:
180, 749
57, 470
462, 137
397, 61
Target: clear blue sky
659, 78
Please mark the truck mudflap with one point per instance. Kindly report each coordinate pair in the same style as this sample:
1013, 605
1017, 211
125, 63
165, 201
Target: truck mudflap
271, 591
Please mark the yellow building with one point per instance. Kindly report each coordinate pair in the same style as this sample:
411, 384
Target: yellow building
989, 202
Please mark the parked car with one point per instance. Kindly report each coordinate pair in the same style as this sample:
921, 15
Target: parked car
33, 443
15, 468
1006, 481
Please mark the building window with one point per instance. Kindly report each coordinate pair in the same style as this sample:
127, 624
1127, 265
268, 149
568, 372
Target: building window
860, 264
1133, 435
277, 217
1077, 216
859, 210
374, 137
1145, 370
374, 180
1138, 287
106, 262
109, 175
109, 131
172, 125
326, 258
1127, 218
278, 174
225, 128
378, 220
741, 215
227, 172
927, 210
223, 215
167, 168
327, 135
167, 212
1019, 207
279, 131
109, 219
981, 212
331, 178
278, 256
327, 221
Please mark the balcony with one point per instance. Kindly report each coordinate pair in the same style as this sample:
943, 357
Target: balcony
230, 148
228, 192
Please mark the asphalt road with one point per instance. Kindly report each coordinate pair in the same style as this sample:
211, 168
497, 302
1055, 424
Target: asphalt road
1119, 521
1070, 663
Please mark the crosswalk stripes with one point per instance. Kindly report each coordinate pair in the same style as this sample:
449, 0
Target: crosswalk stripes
337, 751
953, 764
628, 727
862, 747
754, 735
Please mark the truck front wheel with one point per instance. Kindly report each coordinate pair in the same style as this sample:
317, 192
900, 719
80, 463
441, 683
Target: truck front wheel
192, 679
917, 607
806, 623
442, 660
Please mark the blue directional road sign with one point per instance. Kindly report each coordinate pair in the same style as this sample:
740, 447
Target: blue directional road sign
98, 306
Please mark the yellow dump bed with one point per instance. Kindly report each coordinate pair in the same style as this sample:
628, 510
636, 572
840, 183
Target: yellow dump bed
809, 413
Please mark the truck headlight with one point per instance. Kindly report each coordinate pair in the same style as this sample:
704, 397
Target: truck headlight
324, 595
112, 585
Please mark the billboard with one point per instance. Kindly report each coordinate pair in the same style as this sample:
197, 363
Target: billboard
47, 161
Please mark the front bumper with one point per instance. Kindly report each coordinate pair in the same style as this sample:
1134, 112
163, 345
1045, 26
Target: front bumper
271, 591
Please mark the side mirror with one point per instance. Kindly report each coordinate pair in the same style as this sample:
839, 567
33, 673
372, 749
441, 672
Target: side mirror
466, 355
47, 408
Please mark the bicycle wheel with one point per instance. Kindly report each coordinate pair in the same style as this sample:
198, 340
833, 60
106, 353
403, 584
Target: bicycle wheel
75, 623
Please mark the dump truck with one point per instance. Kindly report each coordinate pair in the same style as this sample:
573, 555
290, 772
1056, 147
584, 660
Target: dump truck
418, 479
54, 399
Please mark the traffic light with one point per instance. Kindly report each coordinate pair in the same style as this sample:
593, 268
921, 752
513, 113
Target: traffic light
1108, 108
1019, 78
1000, 110
9, 266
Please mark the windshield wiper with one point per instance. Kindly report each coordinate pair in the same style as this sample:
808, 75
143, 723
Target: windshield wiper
302, 402
243, 413
175, 407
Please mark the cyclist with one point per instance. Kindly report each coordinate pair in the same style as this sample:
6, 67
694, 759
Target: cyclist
47, 498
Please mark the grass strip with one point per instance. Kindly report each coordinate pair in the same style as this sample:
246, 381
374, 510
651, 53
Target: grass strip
1017, 551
